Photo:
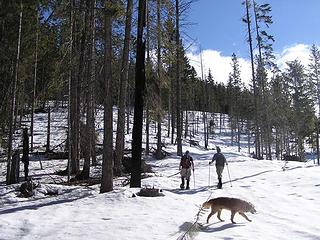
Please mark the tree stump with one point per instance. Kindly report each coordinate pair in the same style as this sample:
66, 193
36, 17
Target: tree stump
150, 192
26, 188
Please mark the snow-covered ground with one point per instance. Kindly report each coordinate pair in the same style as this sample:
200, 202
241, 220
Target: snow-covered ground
286, 200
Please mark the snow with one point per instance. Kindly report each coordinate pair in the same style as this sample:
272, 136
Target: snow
285, 199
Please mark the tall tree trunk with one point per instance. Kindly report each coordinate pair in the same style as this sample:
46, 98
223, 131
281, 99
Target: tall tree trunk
107, 163
257, 138
74, 164
122, 92
186, 124
92, 84
239, 134
204, 114
232, 130
70, 82
89, 132
178, 86
140, 79
34, 83
173, 117
148, 66
318, 119
13, 102
169, 116
82, 23
159, 142
249, 136
48, 130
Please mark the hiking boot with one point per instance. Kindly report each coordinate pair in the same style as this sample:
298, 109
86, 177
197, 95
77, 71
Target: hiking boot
188, 181
220, 183
182, 183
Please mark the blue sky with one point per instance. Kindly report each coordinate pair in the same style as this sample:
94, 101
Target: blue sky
219, 26
220, 32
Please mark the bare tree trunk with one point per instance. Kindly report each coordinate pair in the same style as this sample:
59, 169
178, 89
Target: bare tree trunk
186, 124
13, 102
128, 118
204, 114
232, 130
122, 92
34, 83
140, 79
257, 138
178, 86
48, 130
249, 136
220, 122
173, 122
89, 132
107, 163
74, 131
159, 142
148, 66
239, 134
70, 148
92, 72
147, 128
82, 23
169, 116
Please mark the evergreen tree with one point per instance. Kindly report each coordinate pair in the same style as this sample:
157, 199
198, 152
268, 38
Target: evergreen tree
302, 119
314, 75
234, 91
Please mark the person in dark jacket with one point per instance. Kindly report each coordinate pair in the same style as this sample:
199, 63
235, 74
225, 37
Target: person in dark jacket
220, 162
25, 153
185, 166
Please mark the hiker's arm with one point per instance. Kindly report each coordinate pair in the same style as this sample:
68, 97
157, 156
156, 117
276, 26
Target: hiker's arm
213, 159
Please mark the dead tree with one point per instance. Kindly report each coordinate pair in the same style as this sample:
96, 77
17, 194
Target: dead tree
140, 79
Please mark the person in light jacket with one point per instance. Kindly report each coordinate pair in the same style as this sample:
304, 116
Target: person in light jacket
220, 162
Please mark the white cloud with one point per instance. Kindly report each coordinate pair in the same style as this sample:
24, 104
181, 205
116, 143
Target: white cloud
221, 65
291, 53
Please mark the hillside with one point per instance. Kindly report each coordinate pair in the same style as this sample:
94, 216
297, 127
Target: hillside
285, 199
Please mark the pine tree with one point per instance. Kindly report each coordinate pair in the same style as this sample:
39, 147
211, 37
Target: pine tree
314, 75
280, 113
302, 119
234, 90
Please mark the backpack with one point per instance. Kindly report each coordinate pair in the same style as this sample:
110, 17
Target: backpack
185, 161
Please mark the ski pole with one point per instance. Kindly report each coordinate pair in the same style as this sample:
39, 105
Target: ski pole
229, 175
173, 174
194, 181
209, 176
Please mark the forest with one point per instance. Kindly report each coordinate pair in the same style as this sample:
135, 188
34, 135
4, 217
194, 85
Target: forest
130, 56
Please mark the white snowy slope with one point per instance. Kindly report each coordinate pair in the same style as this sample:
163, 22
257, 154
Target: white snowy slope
287, 202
